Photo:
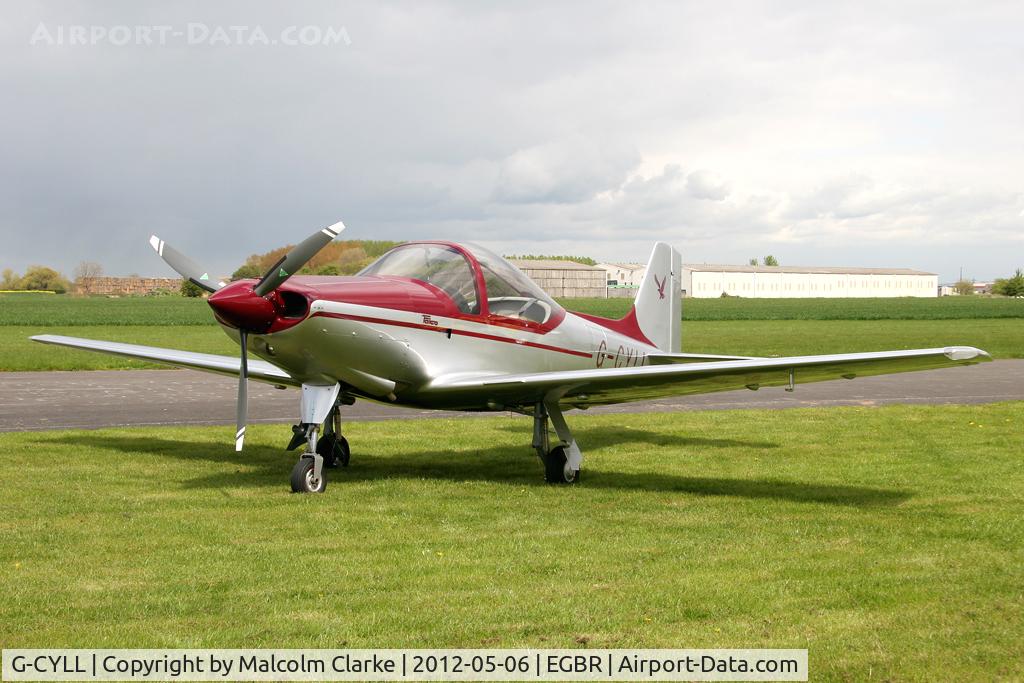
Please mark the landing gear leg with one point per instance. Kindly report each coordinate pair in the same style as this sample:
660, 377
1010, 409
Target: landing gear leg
562, 462
318, 402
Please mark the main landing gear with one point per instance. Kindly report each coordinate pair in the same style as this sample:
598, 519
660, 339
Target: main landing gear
562, 461
332, 446
320, 405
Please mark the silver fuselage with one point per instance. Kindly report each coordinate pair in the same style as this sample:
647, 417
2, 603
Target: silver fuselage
371, 350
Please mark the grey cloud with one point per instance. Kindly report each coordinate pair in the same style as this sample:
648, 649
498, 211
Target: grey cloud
536, 124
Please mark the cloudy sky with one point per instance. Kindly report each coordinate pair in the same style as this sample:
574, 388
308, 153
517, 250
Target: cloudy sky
874, 134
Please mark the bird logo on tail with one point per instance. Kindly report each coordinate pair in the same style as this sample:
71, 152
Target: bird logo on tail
661, 286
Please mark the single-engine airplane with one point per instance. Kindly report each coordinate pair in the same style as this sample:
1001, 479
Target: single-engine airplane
454, 326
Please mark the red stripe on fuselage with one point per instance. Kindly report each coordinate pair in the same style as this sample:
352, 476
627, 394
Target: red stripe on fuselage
445, 330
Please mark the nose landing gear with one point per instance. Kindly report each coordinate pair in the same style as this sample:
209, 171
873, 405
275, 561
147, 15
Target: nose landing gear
319, 406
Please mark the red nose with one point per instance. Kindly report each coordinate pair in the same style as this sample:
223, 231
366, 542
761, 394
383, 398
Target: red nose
238, 306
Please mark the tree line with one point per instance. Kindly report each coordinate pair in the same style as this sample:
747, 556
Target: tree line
1001, 286
36, 278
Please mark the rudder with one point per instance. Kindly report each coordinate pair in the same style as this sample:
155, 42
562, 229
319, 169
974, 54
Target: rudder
659, 306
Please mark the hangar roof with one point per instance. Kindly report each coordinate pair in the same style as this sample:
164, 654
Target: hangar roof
830, 270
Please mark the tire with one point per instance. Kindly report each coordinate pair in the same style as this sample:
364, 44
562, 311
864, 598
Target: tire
302, 477
556, 468
335, 451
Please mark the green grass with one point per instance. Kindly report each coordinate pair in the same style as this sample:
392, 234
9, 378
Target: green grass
889, 541
735, 308
35, 309
1003, 338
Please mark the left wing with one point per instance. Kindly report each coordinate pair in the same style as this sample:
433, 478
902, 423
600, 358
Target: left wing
620, 385
259, 370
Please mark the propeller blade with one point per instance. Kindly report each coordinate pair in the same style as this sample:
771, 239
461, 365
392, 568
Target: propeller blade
297, 258
243, 397
184, 266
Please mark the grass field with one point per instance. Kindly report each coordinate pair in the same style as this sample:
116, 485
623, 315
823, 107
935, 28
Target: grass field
888, 541
785, 327
32, 310
735, 308
35, 310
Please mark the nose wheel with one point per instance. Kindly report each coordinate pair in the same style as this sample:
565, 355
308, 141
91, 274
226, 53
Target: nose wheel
307, 476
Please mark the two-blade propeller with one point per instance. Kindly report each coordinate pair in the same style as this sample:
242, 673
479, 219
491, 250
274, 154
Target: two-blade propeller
296, 258
276, 276
184, 266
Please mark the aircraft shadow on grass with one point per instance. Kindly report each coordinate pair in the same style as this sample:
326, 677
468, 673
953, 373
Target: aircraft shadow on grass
263, 465
601, 436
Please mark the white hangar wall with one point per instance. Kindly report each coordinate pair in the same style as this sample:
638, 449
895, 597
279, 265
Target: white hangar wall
767, 282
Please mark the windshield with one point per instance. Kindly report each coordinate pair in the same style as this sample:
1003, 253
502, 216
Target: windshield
443, 267
509, 292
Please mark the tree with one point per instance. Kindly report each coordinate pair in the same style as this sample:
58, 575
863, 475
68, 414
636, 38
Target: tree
584, 260
191, 289
41, 278
771, 260
332, 253
10, 279
964, 287
84, 273
753, 262
351, 261
1011, 286
248, 270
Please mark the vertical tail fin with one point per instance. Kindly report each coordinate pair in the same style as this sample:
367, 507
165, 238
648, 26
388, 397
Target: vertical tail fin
659, 307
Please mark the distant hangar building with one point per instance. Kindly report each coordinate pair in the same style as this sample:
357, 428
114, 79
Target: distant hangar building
565, 279
776, 282
624, 274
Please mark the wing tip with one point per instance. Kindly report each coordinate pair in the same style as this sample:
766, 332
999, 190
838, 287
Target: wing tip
966, 353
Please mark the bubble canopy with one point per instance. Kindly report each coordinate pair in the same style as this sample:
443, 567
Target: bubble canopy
478, 281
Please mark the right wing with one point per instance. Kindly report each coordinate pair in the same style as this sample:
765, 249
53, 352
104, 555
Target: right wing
620, 385
259, 370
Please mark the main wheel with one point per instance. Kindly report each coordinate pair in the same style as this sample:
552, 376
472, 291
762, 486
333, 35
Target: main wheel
334, 450
556, 468
304, 479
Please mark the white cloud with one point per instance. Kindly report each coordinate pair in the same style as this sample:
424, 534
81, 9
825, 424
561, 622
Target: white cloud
573, 169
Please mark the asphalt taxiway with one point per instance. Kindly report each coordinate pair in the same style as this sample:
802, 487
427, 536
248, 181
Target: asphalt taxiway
89, 400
